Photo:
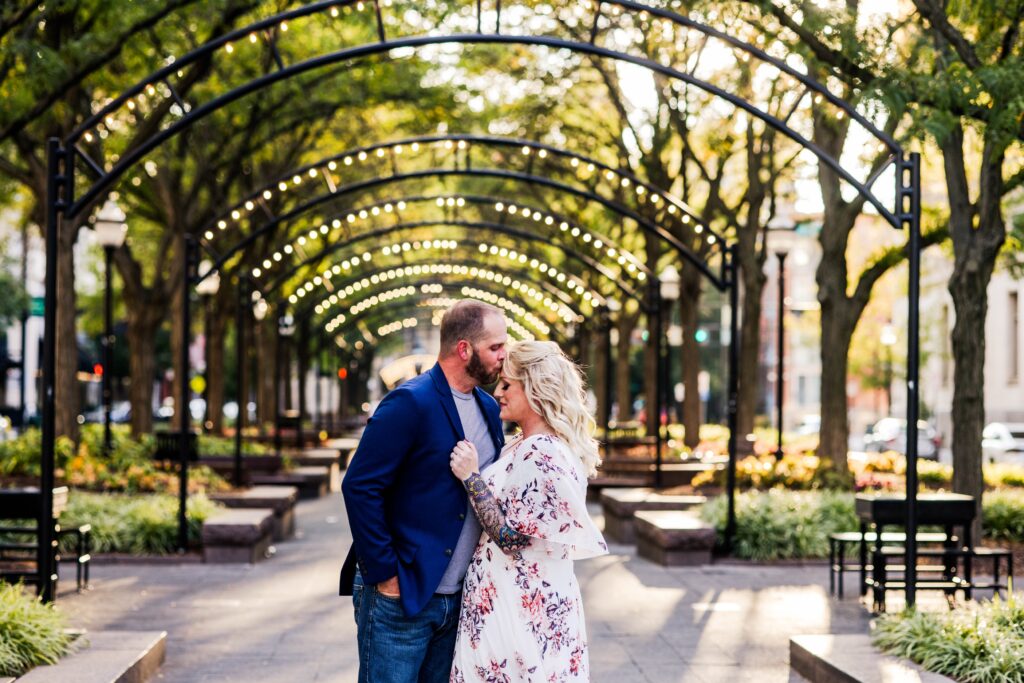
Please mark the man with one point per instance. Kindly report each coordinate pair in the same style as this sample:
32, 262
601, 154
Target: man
413, 534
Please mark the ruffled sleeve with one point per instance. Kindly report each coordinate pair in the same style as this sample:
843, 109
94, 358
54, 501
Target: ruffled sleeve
545, 497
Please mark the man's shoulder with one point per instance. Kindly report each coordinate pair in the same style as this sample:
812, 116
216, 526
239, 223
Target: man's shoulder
485, 397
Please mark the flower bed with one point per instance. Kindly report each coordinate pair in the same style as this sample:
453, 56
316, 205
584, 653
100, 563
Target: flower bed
129, 467
135, 524
31, 633
979, 642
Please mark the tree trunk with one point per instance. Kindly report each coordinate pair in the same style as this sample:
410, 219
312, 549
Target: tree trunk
66, 378
215, 370
182, 419
753, 279
266, 393
623, 394
689, 355
975, 251
602, 348
836, 333
142, 329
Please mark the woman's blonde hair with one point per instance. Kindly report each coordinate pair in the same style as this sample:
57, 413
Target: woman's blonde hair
555, 390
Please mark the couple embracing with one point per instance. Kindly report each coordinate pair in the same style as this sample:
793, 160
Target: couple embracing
461, 566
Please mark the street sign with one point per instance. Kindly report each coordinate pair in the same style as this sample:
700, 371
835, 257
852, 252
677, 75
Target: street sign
36, 309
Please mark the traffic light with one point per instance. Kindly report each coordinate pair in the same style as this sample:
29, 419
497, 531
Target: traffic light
342, 373
97, 369
701, 335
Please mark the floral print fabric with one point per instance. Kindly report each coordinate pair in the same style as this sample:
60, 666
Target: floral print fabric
522, 614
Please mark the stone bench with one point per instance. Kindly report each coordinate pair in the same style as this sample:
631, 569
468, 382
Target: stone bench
238, 535
224, 465
674, 538
330, 458
280, 499
851, 657
311, 481
620, 505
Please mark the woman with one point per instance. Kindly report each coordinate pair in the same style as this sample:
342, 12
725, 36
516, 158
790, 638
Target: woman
522, 614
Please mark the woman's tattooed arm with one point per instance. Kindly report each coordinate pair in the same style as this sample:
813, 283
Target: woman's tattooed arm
492, 517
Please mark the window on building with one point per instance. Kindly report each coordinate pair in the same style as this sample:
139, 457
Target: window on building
1014, 338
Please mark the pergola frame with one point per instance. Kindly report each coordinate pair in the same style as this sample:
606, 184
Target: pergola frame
62, 203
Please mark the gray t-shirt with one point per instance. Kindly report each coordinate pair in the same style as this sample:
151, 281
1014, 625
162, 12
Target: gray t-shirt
475, 428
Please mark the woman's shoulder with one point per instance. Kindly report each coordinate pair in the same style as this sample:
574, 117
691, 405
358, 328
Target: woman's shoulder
549, 452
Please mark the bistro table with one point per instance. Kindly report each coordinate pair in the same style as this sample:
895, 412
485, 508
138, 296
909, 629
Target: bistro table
951, 511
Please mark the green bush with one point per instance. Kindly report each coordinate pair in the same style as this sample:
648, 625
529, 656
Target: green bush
1003, 515
780, 524
140, 525
31, 633
20, 457
219, 445
981, 642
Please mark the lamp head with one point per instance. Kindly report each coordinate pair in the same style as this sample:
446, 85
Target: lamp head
110, 225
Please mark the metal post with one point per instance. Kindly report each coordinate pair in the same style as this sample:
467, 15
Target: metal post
240, 373
278, 389
734, 359
301, 360
781, 343
108, 253
23, 377
656, 332
609, 368
184, 420
55, 205
910, 207
318, 410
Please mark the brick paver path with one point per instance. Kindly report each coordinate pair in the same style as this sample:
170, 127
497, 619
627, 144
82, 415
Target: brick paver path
282, 620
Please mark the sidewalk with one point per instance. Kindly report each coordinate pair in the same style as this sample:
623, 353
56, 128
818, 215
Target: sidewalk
282, 620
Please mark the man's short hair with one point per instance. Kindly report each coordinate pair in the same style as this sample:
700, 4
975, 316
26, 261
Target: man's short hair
464, 320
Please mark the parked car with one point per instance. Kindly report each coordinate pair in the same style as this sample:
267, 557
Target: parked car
890, 434
1003, 442
811, 424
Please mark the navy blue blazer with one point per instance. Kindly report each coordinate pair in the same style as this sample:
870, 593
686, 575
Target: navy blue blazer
405, 507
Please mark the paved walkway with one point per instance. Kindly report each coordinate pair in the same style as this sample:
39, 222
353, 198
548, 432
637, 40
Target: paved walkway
282, 620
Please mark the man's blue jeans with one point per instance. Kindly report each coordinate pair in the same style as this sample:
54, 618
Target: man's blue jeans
395, 648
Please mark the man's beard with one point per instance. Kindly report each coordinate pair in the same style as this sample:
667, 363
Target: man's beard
475, 369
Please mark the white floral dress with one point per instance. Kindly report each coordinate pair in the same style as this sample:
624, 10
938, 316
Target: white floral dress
522, 613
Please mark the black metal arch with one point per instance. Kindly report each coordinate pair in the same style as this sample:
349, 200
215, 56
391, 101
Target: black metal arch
303, 307
718, 280
385, 45
572, 254
640, 265
435, 280
64, 153
465, 143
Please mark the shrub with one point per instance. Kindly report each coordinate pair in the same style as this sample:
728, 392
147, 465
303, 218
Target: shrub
794, 471
783, 524
20, 457
31, 632
1003, 515
980, 642
138, 525
218, 445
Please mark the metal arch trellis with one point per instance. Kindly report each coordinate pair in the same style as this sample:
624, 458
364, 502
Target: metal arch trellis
395, 202
585, 259
455, 143
465, 269
420, 295
336, 191
63, 155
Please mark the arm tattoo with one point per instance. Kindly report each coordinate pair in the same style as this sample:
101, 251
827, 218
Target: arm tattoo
492, 517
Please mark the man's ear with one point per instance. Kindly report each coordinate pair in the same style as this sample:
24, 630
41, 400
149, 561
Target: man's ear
463, 349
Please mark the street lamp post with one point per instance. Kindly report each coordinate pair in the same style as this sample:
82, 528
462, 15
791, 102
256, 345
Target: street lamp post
669, 282
285, 328
110, 230
780, 350
206, 288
